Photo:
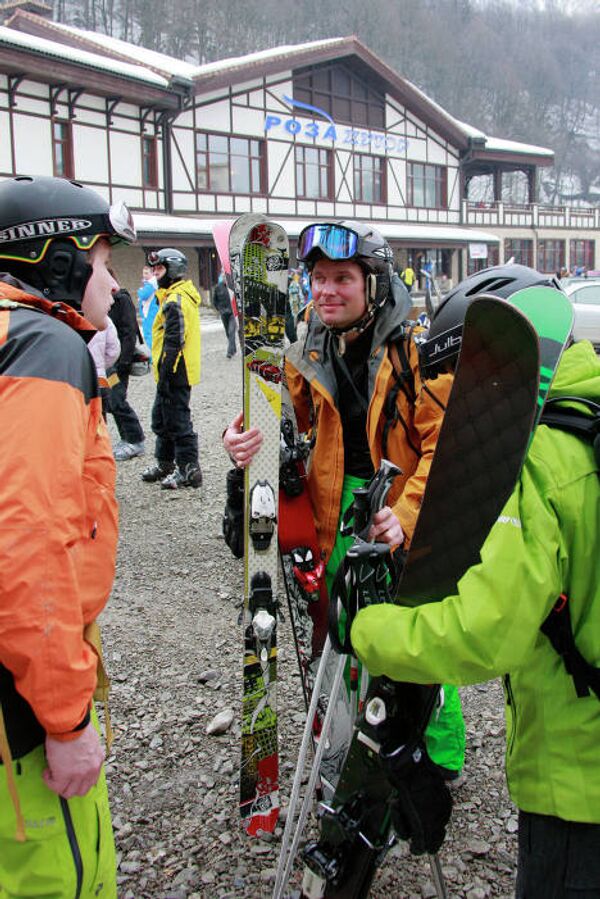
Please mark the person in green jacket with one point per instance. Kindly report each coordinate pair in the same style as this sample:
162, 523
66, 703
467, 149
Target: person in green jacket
544, 545
176, 365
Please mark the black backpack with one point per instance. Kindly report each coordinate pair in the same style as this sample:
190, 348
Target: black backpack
557, 626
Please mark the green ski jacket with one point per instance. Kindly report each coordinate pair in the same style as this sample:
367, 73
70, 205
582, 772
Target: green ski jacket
545, 542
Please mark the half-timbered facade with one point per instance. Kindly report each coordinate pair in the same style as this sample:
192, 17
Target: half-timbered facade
312, 131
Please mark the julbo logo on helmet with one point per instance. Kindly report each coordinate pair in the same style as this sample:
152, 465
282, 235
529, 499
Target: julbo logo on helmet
44, 228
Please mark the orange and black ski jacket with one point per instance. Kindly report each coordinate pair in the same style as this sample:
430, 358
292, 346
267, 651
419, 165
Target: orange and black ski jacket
416, 419
58, 516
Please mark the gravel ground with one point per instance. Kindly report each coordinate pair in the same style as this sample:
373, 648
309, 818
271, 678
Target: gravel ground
173, 647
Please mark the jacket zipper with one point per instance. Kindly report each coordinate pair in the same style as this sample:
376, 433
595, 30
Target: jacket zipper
510, 701
72, 837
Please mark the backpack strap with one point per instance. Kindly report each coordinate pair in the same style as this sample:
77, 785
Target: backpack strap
582, 425
559, 630
403, 381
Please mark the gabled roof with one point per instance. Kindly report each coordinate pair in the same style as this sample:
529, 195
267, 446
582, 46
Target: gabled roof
225, 72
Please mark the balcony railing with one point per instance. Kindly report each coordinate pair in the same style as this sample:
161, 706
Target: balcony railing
534, 215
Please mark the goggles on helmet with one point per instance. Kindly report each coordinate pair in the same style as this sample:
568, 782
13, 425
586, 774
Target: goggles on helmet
335, 241
121, 220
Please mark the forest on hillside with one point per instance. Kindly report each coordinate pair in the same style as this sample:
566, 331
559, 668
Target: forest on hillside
527, 71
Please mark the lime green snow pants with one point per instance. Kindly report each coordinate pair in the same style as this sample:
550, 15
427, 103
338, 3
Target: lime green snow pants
445, 734
69, 852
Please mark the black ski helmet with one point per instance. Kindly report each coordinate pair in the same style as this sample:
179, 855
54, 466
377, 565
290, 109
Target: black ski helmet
174, 261
356, 242
445, 333
47, 228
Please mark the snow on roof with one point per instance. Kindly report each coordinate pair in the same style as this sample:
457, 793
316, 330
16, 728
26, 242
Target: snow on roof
499, 144
82, 57
147, 57
513, 146
148, 223
284, 51
178, 67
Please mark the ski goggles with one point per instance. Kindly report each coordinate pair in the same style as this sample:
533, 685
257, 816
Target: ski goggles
122, 222
335, 241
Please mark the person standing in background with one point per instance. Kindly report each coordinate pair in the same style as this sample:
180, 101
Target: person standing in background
221, 300
105, 348
132, 441
176, 366
147, 304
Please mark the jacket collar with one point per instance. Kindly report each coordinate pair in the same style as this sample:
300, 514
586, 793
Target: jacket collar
16, 292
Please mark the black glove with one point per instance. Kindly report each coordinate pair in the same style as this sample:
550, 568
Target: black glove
422, 806
233, 517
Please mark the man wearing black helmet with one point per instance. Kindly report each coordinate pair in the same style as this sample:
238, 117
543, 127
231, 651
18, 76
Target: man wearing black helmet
176, 364
356, 388
543, 548
58, 535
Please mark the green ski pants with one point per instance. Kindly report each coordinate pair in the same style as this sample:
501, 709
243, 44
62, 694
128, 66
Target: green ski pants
69, 852
445, 734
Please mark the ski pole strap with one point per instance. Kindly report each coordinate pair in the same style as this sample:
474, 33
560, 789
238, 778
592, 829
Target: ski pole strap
559, 630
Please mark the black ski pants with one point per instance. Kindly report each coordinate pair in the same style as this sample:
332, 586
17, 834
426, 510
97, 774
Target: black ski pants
230, 325
127, 422
176, 440
557, 859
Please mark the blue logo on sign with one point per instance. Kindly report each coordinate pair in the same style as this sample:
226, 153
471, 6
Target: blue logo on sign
356, 137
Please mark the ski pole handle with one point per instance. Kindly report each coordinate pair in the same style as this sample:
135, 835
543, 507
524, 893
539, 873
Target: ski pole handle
370, 499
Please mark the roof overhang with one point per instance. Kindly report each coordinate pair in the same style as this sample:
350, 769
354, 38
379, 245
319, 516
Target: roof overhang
38, 66
185, 228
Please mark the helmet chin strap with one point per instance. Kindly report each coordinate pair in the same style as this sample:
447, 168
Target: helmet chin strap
357, 328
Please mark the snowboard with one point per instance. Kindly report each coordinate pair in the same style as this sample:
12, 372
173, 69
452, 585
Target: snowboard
259, 261
499, 388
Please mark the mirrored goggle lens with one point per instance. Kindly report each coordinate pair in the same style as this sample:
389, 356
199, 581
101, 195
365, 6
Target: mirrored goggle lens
122, 221
335, 241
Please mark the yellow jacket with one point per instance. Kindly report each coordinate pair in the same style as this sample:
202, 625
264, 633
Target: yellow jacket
410, 442
176, 334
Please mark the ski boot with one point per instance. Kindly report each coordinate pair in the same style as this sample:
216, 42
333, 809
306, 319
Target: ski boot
189, 476
157, 472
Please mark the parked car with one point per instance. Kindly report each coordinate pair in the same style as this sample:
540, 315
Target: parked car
584, 293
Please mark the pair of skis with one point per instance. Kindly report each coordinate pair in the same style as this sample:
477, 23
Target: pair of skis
255, 257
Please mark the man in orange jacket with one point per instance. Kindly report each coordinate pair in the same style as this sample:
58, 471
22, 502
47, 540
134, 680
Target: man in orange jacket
58, 535
356, 387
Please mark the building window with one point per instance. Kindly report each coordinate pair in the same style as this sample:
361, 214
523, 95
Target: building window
149, 162
551, 256
519, 250
229, 165
476, 265
582, 255
62, 149
342, 94
427, 186
313, 173
369, 179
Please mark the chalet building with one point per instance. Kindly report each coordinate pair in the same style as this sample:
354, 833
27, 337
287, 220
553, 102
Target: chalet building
322, 130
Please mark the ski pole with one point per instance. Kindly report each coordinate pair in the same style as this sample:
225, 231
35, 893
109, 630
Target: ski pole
307, 739
438, 877
282, 879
